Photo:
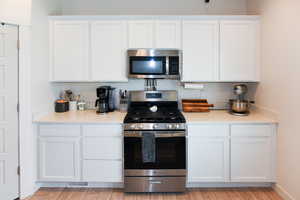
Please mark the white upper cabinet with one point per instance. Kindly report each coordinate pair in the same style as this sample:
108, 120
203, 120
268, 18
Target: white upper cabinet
141, 34
69, 50
239, 50
200, 42
108, 51
168, 34
215, 49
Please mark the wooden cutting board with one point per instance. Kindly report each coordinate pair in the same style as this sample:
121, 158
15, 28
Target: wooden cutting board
196, 105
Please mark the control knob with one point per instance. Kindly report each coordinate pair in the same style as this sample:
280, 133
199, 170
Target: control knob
133, 126
170, 126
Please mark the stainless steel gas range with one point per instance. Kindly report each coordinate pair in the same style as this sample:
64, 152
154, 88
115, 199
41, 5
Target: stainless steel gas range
154, 143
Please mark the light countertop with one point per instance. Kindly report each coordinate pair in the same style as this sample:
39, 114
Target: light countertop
90, 116
222, 116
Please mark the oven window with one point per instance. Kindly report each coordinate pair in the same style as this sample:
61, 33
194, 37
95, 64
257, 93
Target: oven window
170, 154
148, 65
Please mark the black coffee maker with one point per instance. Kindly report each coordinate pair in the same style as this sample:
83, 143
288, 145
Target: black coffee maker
105, 102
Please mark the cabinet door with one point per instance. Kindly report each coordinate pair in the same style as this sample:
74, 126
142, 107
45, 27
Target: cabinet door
252, 154
69, 50
168, 34
108, 171
200, 42
108, 51
208, 153
239, 50
141, 34
59, 159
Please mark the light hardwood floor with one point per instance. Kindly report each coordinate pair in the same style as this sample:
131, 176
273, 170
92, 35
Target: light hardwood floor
191, 194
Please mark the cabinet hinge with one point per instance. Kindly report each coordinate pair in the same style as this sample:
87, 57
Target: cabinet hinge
18, 107
19, 170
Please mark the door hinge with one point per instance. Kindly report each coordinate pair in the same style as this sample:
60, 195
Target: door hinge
18, 107
19, 170
18, 44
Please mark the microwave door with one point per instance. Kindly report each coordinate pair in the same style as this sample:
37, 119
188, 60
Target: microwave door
148, 67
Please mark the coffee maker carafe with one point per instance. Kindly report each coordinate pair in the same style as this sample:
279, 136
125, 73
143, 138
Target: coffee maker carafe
105, 101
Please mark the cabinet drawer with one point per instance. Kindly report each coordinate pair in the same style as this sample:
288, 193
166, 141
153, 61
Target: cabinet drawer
59, 130
109, 148
102, 171
251, 130
102, 130
208, 130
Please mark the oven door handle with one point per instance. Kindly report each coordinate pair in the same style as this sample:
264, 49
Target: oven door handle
157, 135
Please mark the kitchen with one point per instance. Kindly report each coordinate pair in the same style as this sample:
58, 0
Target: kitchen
85, 48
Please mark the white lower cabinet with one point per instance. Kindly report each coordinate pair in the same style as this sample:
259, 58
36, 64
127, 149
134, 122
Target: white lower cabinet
102, 153
231, 153
102, 171
208, 153
59, 159
216, 153
75, 153
252, 153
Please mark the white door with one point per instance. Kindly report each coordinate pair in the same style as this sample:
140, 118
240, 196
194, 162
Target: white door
208, 153
141, 34
168, 34
9, 180
59, 159
239, 50
200, 44
69, 48
108, 51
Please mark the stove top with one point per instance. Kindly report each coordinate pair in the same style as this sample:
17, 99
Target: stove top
163, 116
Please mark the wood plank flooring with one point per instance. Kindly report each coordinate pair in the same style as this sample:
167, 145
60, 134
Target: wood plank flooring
191, 194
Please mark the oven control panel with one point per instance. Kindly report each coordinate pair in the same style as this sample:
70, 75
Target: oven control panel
155, 126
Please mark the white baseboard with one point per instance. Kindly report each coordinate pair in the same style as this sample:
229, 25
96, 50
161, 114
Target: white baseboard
120, 185
283, 193
79, 185
227, 185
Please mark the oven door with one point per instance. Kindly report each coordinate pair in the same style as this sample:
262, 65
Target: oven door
170, 153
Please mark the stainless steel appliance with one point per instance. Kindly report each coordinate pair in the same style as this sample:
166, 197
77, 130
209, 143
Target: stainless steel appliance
240, 106
105, 101
154, 63
154, 143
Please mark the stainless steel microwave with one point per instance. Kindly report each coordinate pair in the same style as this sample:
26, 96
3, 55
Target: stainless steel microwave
154, 63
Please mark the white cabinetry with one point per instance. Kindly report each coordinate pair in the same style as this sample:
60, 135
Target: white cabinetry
215, 49
252, 153
59, 153
69, 50
239, 50
200, 50
168, 34
208, 153
231, 153
108, 51
102, 153
141, 34
90, 153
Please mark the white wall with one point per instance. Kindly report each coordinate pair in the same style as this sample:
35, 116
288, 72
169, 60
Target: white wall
216, 93
34, 52
279, 89
15, 11
94, 7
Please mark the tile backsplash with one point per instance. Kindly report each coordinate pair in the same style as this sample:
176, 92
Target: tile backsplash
216, 93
